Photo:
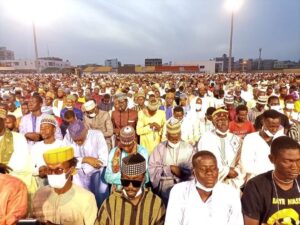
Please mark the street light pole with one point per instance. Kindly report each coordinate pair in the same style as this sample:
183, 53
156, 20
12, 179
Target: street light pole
230, 44
35, 47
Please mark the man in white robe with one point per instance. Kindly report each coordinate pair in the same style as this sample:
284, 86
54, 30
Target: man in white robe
91, 151
170, 162
226, 147
203, 200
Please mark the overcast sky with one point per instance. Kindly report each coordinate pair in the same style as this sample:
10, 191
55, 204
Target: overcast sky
90, 31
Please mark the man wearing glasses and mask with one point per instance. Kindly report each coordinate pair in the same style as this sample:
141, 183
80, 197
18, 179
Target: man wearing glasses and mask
133, 204
63, 202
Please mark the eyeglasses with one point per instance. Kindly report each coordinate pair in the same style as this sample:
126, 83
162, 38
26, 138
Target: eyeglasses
135, 183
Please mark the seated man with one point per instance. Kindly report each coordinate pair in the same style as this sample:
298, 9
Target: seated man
127, 146
134, 204
274, 197
203, 200
63, 202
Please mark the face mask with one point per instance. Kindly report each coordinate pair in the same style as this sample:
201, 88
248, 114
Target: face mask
57, 181
69, 107
198, 106
276, 107
92, 115
172, 145
221, 132
202, 187
140, 191
290, 105
268, 133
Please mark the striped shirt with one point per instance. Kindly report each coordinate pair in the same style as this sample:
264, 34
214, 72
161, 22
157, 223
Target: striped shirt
117, 210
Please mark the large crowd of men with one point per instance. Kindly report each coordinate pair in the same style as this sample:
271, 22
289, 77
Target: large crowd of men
139, 149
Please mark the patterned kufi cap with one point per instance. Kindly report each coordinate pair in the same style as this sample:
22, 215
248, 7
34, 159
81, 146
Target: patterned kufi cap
173, 126
58, 155
121, 96
229, 99
133, 165
49, 119
89, 105
262, 100
127, 135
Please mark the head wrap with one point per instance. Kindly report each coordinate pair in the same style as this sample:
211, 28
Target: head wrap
173, 126
133, 165
127, 135
49, 119
77, 129
58, 155
89, 105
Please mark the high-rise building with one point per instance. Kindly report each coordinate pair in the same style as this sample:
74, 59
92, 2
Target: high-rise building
113, 63
153, 62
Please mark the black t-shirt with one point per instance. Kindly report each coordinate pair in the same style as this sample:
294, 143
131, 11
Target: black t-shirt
260, 201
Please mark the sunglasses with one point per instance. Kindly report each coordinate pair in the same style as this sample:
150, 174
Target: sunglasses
135, 183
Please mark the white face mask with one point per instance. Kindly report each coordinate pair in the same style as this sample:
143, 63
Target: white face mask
290, 105
92, 115
202, 187
267, 132
221, 132
198, 106
172, 145
140, 191
276, 107
57, 181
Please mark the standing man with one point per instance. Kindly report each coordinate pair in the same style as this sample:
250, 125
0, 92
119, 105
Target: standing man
258, 109
63, 202
123, 116
170, 162
226, 147
30, 123
169, 105
278, 201
47, 130
134, 204
97, 119
255, 160
241, 126
150, 124
204, 200
91, 151
140, 101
